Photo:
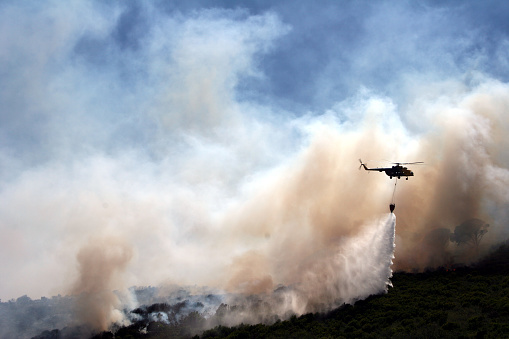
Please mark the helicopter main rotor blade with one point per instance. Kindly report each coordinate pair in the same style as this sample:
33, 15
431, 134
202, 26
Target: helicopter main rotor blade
408, 163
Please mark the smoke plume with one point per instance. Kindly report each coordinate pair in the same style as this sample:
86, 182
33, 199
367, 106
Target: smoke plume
184, 145
101, 263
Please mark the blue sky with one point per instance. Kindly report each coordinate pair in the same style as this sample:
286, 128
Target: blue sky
334, 47
320, 53
203, 137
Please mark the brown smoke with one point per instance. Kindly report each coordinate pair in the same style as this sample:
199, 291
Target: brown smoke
303, 211
292, 221
210, 183
455, 184
308, 207
101, 263
247, 275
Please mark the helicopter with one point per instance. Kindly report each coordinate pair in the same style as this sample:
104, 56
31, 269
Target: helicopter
397, 171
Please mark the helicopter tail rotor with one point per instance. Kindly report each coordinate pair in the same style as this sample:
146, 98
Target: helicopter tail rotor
362, 165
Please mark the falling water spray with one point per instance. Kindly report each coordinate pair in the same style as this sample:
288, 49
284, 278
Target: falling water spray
366, 260
358, 267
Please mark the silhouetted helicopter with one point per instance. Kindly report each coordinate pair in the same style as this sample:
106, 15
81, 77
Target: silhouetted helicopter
397, 171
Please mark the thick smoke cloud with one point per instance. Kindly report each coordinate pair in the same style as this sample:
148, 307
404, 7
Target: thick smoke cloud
462, 155
147, 145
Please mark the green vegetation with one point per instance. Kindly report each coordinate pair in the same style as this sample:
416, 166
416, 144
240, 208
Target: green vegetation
463, 303
445, 303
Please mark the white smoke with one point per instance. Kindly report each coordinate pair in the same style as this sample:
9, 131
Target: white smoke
148, 126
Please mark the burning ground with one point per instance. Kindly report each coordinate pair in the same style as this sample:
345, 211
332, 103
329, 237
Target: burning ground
152, 145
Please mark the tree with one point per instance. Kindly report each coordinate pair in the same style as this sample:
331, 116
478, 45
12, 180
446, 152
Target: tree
470, 232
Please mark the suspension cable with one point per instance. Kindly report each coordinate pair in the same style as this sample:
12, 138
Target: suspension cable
394, 192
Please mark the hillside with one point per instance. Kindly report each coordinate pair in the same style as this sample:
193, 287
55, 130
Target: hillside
440, 304
446, 303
